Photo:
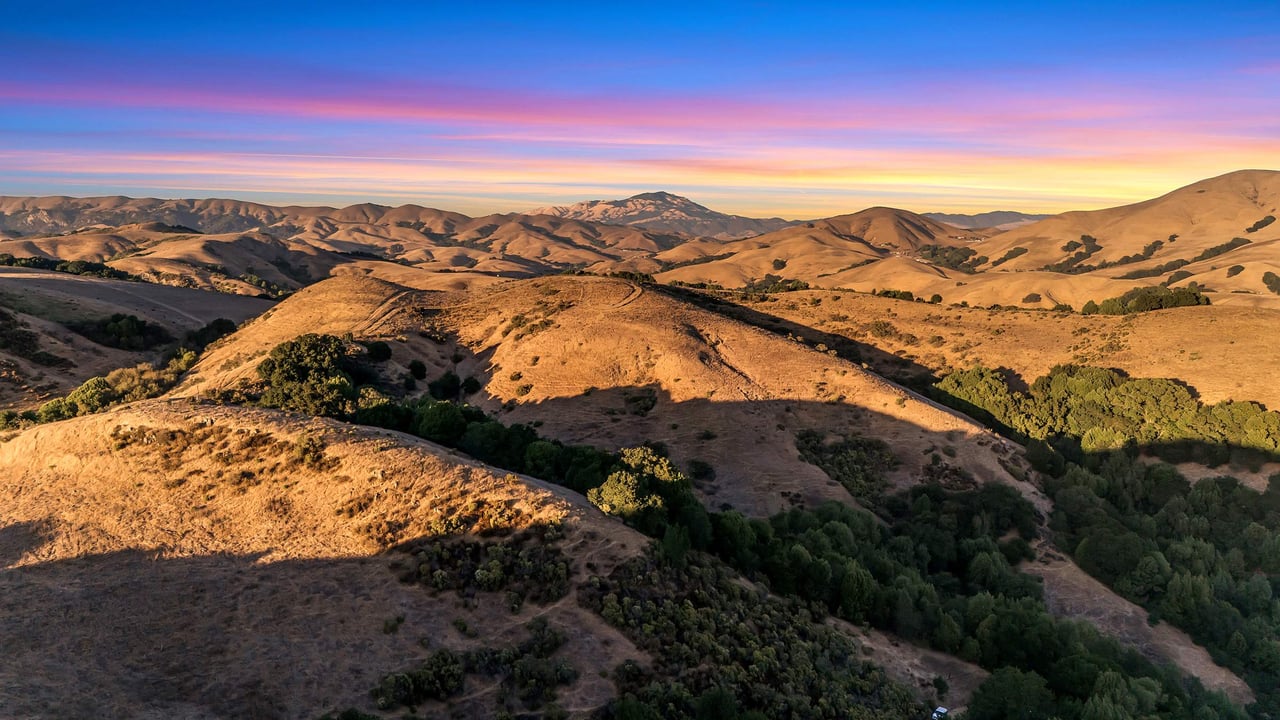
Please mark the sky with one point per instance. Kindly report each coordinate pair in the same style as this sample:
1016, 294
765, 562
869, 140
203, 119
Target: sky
799, 110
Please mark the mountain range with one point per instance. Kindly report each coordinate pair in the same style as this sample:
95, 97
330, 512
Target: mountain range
540, 466
1215, 233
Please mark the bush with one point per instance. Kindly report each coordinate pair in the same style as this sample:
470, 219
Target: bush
378, 351
125, 332
309, 375
445, 387
418, 369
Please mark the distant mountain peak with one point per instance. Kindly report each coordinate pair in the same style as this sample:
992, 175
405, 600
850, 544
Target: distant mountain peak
661, 211
1000, 219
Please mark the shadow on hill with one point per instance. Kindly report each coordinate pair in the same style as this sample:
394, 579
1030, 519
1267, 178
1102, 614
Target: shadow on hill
20, 539
895, 367
135, 634
742, 453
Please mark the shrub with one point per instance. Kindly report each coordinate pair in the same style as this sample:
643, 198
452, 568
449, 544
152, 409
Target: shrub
418, 369
308, 375
378, 351
445, 387
126, 332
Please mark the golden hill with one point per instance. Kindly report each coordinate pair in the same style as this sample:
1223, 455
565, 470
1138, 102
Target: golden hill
816, 252
1188, 223
609, 363
171, 559
1219, 351
250, 248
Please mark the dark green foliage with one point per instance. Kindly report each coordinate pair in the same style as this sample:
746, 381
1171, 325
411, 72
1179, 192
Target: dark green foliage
774, 284
1079, 409
1176, 277
779, 264
1013, 253
74, 267
418, 369
1032, 298
1261, 224
1235, 270
202, 338
526, 671
445, 387
932, 571
647, 491
1204, 557
897, 294
15, 338
126, 332
718, 646
1010, 694
1272, 281
963, 259
470, 386
1073, 264
858, 463
440, 677
309, 374
527, 566
1225, 247
935, 299
378, 351
636, 277
1154, 271
1146, 299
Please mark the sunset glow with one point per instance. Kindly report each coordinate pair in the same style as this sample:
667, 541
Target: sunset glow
759, 111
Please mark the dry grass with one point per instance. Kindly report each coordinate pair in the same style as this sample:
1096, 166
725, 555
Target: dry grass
1070, 592
179, 560
1225, 353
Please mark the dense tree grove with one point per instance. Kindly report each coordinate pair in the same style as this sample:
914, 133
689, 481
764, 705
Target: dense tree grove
73, 267
310, 374
1011, 254
1079, 409
722, 649
964, 259
526, 673
126, 332
1205, 557
1146, 299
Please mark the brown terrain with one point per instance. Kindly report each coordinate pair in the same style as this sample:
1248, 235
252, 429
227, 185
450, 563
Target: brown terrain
160, 557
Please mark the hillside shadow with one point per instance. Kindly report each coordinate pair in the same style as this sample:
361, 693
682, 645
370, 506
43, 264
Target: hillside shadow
131, 634
742, 453
19, 539
895, 367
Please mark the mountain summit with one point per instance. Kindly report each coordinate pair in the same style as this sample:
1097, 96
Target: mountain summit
665, 212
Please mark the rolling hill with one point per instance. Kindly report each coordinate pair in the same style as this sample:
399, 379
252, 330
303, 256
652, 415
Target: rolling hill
681, 483
666, 213
612, 364
1198, 231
